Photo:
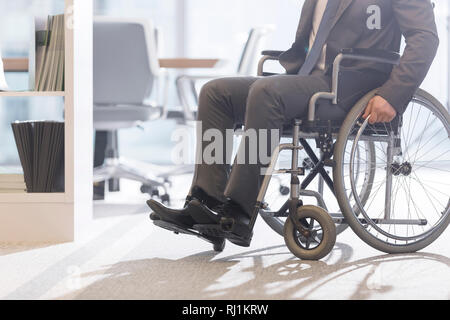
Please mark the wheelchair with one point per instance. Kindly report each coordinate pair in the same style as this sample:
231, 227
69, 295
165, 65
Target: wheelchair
391, 180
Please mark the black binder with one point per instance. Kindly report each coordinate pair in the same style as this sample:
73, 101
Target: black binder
41, 151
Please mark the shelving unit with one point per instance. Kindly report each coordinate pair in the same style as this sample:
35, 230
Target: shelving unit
60, 217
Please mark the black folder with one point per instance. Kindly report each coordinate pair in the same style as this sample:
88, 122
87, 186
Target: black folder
40, 145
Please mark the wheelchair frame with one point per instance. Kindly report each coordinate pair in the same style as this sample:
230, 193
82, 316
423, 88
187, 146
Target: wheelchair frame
296, 229
323, 131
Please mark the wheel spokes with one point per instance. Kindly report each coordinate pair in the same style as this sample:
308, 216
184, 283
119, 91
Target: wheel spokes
415, 179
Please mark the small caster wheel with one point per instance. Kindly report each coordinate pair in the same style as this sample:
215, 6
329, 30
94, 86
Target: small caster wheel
165, 199
146, 189
319, 237
219, 245
155, 193
284, 191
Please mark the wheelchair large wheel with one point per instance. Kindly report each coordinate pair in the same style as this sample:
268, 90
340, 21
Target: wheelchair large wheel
408, 206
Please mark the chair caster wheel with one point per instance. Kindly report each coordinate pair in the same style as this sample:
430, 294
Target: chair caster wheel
165, 199
314, 242
284, 191
146, 189
219, 245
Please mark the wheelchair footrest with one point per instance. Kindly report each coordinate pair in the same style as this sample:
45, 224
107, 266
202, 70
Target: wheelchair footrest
214, 230
217, 231
192, 232
174, 228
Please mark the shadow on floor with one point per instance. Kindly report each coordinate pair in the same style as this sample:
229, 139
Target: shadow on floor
242, 276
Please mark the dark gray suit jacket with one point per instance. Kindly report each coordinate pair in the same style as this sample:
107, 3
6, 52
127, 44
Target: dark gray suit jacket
414, 19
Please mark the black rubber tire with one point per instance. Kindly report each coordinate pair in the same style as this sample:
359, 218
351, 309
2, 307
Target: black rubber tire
338, 177
328, 239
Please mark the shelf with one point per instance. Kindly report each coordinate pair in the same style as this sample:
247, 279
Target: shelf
33, 198
60, 217
32, 94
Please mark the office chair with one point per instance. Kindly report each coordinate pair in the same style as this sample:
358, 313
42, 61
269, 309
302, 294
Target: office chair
126, 74
186, 84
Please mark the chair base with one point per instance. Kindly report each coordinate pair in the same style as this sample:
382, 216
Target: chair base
117, 169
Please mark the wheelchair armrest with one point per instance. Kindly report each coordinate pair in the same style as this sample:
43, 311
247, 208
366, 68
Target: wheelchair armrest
382, 56
272, 53
268, 55
371, 55
379, 56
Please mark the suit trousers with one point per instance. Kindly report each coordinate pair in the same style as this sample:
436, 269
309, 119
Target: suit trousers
259, 103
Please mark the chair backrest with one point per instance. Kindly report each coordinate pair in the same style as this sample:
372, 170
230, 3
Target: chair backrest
125, 60
252, 50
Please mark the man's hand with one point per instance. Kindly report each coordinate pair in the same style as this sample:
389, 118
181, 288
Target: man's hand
379, 110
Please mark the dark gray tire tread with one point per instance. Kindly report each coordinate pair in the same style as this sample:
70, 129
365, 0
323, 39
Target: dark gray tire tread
329, 233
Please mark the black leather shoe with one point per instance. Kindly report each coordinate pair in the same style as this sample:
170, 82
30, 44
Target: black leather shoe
154, 216
236, 221
181, 217
228, 220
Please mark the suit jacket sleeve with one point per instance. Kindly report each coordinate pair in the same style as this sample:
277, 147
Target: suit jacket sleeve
417, 24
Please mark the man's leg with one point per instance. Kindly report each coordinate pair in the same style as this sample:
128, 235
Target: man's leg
222, 105
272, 102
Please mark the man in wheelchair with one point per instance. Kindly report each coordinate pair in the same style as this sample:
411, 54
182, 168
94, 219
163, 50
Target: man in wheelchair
327, 29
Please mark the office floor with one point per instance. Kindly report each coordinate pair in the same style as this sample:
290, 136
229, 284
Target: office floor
126, 257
